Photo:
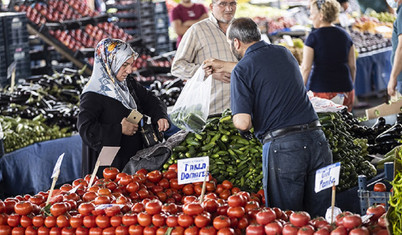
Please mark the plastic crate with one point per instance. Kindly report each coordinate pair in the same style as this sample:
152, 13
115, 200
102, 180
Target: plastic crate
146, 39
128, 24
162, 39
147, 31
368, 198
147, 21
160, 7
148, 12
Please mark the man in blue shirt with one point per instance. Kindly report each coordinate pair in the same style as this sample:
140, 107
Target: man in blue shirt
267, 93
395, 80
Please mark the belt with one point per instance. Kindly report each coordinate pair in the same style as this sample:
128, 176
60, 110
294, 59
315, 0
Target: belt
291, 129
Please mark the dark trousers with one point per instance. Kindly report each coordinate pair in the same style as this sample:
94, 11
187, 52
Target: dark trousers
292, 163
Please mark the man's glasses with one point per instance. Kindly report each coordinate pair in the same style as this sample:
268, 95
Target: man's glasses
225, 4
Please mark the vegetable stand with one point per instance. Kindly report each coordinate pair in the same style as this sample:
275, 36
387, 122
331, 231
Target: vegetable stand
28, 170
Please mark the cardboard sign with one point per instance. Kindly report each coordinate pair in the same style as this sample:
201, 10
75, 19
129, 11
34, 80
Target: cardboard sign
107, 155
384, 109
192, 170
327, 176
56, 169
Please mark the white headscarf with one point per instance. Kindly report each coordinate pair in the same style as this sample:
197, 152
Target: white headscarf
110, 54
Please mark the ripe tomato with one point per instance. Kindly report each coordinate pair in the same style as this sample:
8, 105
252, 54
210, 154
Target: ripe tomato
359, 231
115, 220
265, 216
255, 229
62, 221
89, 221
144, 219
170, 174
185, 220
154, 176
158, 220
273, 228
38, 220
125, 180
236, 200
221, 221
171, 220
192, 230
352, 221
376, 210
121, 230
110, 173
138, 207
306, 230
236, 212
382, 222
25, 221
23, 208
289, 229
112, 210
67, 231
135, 229
319, 222
380, 187
193, 208
339, 218
76, 220
226, 184
340, 230
153, 207
207, 231
299, 218
95, 231
202, 220
86, 208
58, 208
251, 205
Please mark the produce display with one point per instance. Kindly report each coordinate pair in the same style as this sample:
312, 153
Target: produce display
231, 156
346, 149
167, 91
154, 203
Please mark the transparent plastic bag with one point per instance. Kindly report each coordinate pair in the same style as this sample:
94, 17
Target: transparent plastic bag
191, 109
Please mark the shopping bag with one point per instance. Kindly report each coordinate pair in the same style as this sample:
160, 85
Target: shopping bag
191, 109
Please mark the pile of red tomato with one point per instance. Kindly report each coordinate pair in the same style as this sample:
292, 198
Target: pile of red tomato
154, 203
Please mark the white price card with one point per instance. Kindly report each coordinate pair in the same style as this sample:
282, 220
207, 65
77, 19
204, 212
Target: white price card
327, 176
56, 169
192, 170
107, 155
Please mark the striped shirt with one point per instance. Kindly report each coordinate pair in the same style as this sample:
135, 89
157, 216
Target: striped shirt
202, 41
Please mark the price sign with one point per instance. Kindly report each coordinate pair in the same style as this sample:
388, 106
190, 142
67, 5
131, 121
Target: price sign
56, 169
192, 170
327, 176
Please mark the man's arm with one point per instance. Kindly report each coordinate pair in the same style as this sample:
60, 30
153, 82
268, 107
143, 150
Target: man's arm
396, 67
181, 27
242, 121
218, 66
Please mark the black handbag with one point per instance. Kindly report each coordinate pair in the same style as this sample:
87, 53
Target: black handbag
150, 133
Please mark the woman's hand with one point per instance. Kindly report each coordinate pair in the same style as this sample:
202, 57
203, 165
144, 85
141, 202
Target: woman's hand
163, 124
128, 128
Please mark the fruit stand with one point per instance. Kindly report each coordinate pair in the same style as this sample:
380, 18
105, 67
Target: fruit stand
38, 117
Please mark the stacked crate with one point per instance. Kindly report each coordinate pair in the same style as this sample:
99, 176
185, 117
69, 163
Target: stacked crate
16, 46
162, 41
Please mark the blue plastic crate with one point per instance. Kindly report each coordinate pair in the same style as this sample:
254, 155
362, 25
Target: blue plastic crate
161, 21
160, 7
368, 198
162, 38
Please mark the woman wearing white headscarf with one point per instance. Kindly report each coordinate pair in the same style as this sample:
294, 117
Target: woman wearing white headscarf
108, 99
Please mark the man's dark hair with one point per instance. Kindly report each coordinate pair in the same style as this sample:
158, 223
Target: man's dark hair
245, 30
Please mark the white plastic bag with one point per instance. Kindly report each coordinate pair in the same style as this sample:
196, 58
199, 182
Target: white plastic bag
323, 105
191, 109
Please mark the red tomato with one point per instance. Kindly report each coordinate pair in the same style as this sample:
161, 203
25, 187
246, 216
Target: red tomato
95, 231
112, 210
170, 174
202, 220
185, 220
340, 230
222, 209
125, 180
153, 207
382, 222
144, 219
135, 229
23, 208
154, 176
289, 229
121, 230
242, 223
89, 221
81, 231
171, 220
236, 212
193, 208
102, 221
25, 221
210, 205
226, 231
138, 207
5, 229
255, 229
359, 231
174, 184
319, 222
158, 220
226, 184
115, 220
299, 219
76, 221
68, 231
2, 207
109, 231
188, 189
38, 220
86, 208
306, 230
273, 228
236, 200
110, 173
265, 216
352, 221
380, 187
192, 230
376, 210
36, 199
221, 221
13, 220
252, 205
207, 231
89, 196
18, 231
